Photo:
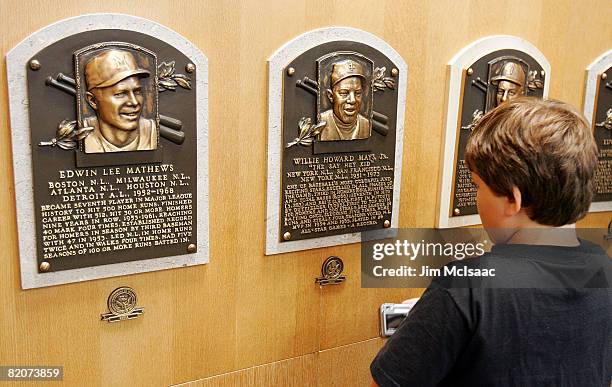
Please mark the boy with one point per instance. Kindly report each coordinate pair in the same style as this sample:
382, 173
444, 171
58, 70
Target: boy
545, 319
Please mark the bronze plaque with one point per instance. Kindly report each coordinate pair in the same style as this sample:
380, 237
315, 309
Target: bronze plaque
339, 118
602, 129
489, 81
113, 141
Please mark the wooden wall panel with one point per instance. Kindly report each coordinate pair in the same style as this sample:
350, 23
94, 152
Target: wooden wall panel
347, 365
246, 309
350, 313
295, 372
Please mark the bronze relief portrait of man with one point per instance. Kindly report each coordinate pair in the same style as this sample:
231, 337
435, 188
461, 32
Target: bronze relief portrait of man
508, 80
345, 97
117, 97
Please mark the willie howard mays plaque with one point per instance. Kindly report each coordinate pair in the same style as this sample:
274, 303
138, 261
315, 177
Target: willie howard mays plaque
482, 76
336, 113
110, 151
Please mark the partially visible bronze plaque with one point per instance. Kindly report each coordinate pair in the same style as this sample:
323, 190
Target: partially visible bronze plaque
339, 137
113, 141
481, 76
488, 82
602, 129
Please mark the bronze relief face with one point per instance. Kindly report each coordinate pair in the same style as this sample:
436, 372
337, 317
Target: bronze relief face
345, 92
117, 86
507, 80
116, 97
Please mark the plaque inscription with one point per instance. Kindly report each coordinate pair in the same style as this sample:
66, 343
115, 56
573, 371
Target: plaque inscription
113, 145
90, 216
340, 103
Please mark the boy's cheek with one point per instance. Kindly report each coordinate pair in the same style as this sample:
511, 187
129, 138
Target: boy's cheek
490, 208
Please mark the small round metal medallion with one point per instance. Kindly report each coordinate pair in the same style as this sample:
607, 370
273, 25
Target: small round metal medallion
192, 248
386, 224
470, 71
122, 300
287, 236
332, 267
457, 211
290, 71
604, 76
394, 72
190, 67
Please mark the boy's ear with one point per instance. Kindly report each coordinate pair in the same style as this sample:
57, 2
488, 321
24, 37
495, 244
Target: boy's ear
513, 205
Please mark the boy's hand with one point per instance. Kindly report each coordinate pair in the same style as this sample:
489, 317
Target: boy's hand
411, 301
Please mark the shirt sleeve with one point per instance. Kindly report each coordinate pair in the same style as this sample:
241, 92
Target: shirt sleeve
426, 345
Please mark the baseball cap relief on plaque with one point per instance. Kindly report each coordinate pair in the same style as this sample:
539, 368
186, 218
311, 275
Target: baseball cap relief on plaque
335, 139
113, 146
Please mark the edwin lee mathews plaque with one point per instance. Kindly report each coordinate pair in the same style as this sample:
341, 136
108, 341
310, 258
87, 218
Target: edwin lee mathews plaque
113, 144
